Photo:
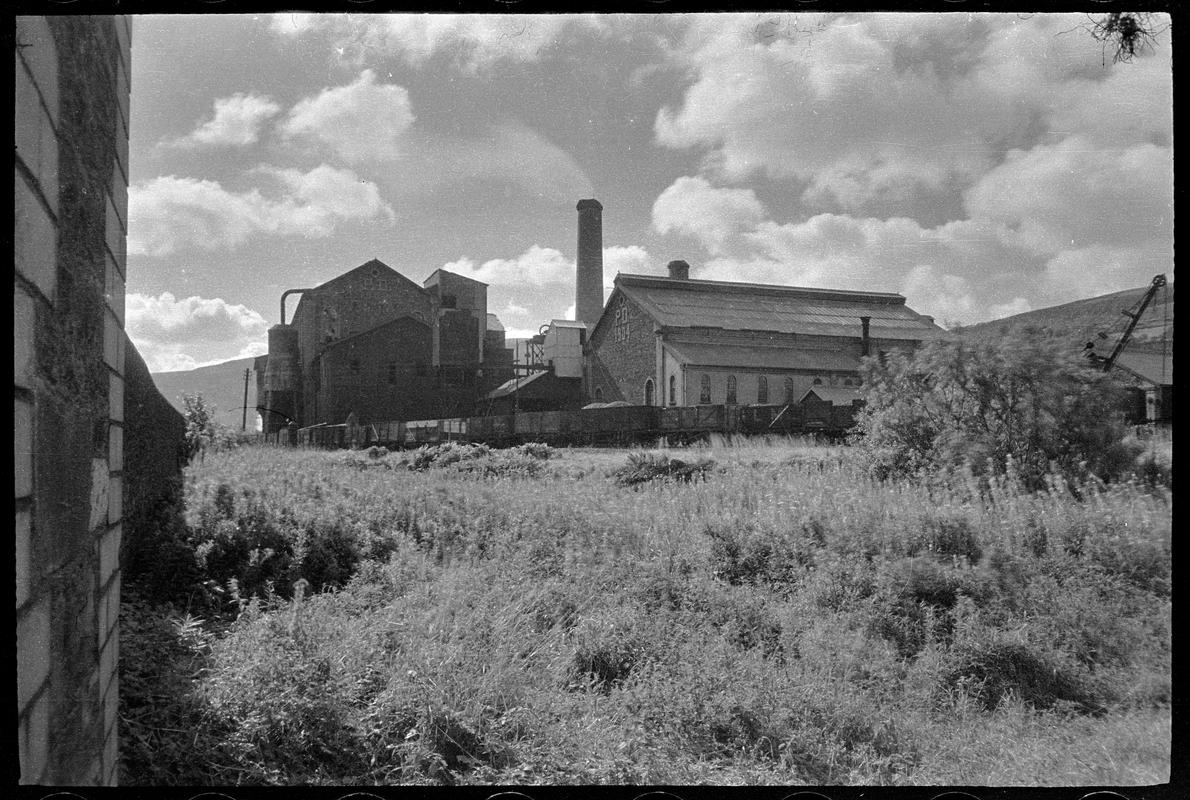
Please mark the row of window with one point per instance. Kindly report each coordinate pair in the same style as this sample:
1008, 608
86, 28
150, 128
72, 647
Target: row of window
762, 389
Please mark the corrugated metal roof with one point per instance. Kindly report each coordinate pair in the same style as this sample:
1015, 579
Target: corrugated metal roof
513, 385
787, 309
749, 357
1152, 367
835, 395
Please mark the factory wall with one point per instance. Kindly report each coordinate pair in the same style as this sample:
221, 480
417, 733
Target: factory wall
383, 374
622, 353
70, 221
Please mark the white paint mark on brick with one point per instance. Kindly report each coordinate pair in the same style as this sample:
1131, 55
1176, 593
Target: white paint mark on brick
36, 144
99, 489
35, 239
115, 500
23, 318
22, 448
35, 741
33, 650
24, 544
116, 397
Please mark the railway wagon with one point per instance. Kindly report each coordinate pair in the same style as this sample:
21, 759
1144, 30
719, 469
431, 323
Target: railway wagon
618, 424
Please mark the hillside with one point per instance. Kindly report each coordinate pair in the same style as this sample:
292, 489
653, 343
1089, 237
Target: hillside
221, 385
1083, 320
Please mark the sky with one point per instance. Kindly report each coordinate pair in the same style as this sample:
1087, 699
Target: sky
982, 165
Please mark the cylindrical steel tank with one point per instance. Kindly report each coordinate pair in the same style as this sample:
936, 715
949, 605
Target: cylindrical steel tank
282, 378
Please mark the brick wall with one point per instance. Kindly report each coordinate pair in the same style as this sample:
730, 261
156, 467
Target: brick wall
70, 205
619, 365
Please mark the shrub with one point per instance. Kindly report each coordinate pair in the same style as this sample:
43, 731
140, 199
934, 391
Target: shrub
992, 671
644, 467
1018, 406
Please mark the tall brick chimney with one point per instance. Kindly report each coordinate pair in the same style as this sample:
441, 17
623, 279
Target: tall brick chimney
588, 289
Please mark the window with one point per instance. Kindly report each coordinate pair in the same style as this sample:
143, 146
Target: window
704, 393
599, 394
673, 390
355, 365
392, 373
789, 391
762, 390
847, 381
818, 381
649, 392
731, 390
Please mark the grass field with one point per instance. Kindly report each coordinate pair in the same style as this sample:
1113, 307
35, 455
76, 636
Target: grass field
769, 615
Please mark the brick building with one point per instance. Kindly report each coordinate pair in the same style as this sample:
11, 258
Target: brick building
95, 445
677, 341
374, 343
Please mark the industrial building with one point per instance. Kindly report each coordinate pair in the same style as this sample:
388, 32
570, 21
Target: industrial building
373, 343
675, 340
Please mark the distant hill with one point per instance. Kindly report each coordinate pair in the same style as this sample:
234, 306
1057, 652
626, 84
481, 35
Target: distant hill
1084, 320
221, 385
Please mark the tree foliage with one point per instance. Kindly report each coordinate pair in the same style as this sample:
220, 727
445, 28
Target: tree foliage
200, 424
1018, 405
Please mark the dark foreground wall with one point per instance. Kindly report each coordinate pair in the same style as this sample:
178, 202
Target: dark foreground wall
70, 203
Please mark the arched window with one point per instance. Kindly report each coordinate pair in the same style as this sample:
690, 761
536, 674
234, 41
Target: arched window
598, 394
649, 392
673, 390
847, 381
762, 390
704, 392
731, 392
789, 391
818, 381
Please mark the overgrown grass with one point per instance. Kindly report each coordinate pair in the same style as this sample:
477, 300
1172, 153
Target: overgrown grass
780, 619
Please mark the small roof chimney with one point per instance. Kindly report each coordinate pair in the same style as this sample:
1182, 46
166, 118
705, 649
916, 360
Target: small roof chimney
679, 269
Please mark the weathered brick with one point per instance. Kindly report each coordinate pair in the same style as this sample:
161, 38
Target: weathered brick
24, 545
99, 490
113, 336
23, 318
34, 732
35, 141
113, 290
35, 239
115, 448
114, 234
111, 757
22, 448
33, 650
109, 609
109, 555
35, 44
116, 397
119, 189
115, 508
109, 657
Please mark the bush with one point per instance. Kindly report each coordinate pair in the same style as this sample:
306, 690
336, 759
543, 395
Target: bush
645, 467
992, 671
1017, 407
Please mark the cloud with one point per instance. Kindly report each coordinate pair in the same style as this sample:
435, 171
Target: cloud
169, 332
169, 213
363, 121
692, 206
472, 41
871, 111
237, 122
538, 285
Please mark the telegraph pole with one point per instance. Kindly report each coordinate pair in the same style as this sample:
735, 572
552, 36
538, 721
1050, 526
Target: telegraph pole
244, 420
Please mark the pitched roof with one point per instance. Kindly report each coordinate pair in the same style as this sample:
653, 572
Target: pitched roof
1152, 367
683, 303
835, 395
767, 357
513, 385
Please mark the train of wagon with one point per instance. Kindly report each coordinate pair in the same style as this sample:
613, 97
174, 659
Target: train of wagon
610, 424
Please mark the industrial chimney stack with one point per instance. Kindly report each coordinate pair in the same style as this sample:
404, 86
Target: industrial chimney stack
679, 270
588, 290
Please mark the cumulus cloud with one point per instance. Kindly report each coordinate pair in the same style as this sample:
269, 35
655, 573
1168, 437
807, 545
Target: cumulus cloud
237, 122
361, 121
471, 41
169, 213
870, 110
169, 331
692, 206
538, 285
